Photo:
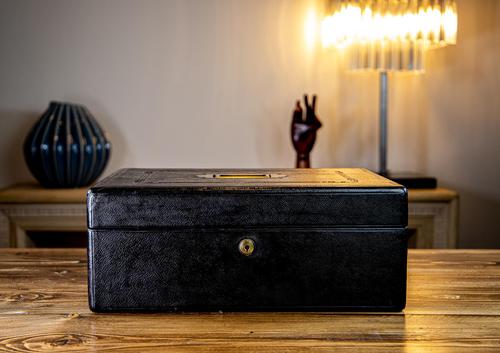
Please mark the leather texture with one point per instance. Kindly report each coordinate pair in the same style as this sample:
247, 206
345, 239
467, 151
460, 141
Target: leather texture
175, 247
180, 198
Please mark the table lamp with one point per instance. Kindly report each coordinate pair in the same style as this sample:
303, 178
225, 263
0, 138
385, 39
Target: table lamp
390, 35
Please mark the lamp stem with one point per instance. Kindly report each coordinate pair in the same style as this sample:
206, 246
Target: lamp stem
383, 123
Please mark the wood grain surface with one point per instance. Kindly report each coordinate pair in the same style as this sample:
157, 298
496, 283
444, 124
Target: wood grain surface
453, 306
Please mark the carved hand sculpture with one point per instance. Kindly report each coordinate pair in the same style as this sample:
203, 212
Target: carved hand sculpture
304, 131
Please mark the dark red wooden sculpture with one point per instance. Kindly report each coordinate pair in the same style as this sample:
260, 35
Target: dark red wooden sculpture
304, 131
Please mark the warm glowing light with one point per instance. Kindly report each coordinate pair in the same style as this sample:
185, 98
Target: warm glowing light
389, 34
310, 28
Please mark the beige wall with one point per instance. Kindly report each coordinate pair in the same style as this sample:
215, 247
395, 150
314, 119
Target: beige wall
212, 84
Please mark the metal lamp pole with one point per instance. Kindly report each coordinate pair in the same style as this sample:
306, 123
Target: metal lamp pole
383, 124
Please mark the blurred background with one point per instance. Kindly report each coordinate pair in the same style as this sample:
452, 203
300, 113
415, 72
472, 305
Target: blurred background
212, 83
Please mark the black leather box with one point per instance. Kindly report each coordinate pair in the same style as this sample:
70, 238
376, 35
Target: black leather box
230, 240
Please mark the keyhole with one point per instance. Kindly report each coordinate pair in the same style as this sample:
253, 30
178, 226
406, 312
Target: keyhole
246, 247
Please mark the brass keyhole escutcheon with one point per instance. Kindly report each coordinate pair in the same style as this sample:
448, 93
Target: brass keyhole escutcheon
246, 247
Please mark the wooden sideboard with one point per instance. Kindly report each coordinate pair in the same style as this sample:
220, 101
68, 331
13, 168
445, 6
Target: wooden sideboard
29, 207
433, 214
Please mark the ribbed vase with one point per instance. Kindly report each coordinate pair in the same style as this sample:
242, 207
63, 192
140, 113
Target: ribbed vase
66, 147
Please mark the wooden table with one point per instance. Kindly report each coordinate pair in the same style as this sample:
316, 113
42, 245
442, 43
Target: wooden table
453, 306
433, 213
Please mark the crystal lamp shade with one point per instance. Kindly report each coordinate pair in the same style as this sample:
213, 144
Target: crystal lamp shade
389, 35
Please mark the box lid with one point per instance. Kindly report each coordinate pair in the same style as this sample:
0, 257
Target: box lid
159, 198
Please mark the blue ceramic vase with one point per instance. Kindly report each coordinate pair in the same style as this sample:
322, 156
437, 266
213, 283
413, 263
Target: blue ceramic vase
66, 148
